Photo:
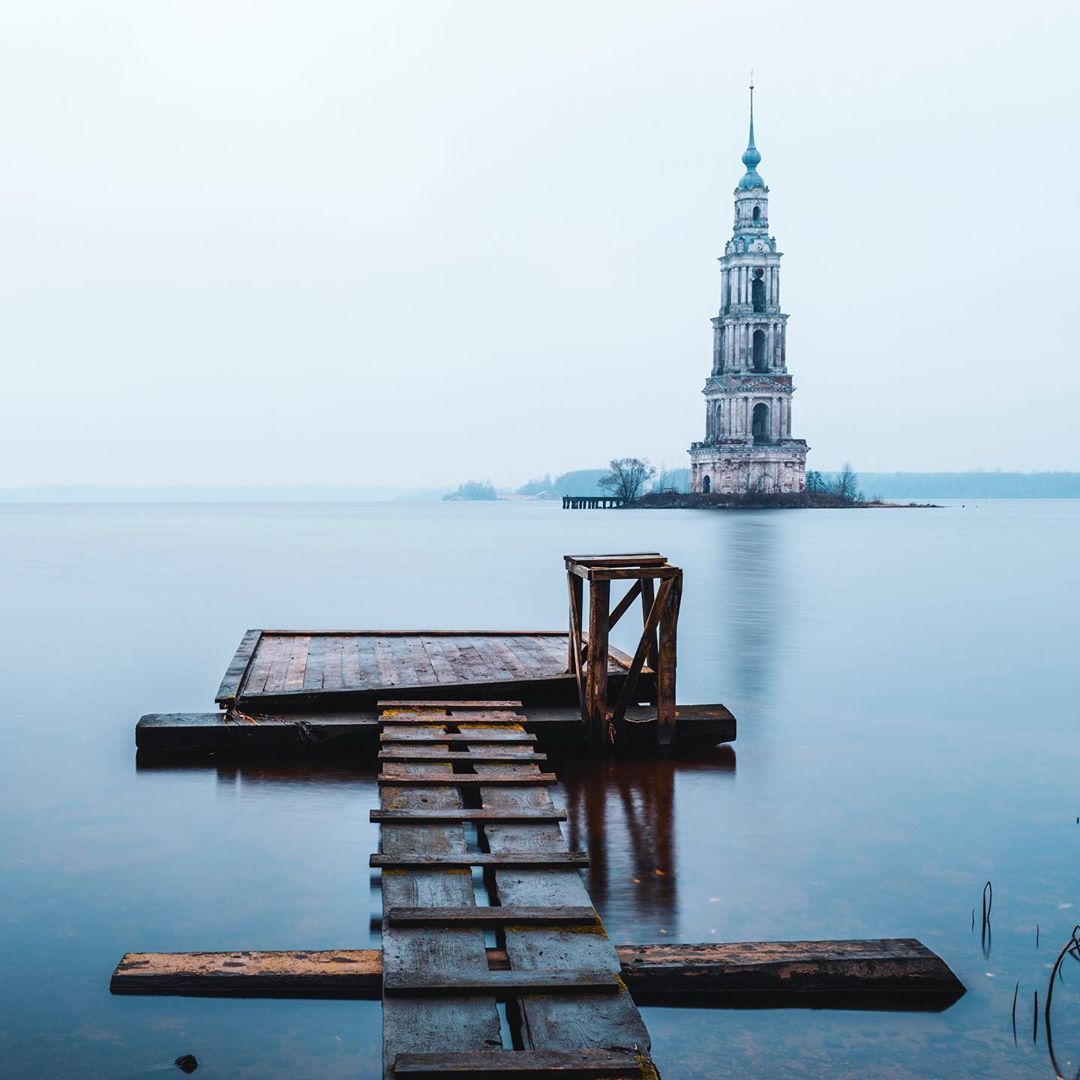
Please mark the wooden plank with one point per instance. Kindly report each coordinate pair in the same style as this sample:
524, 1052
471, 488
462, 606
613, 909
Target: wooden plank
234, 674
334, 664
497, 736
638, 558
262, 661
294, 675
420, 718
468, 779
877, 973
596, 662
492, 916
527, 814
450, 1022
316, 658
550, 1022
519, 859
500, 983
383, 704
523, 1064
476, 754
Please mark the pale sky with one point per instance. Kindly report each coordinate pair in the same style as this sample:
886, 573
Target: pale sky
415, 243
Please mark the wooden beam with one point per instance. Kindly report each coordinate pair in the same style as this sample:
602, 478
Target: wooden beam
522, 814
465, 779
492, 916
555, 860
455, 705
880, 973
234, 675
432, 753
500, 983
524, 1064
493, 737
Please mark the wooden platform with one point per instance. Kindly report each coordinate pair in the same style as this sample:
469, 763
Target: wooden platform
328, 670
566, 1001
697, 726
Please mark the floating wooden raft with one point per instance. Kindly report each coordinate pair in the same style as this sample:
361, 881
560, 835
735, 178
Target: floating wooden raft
570, 1011
327, 670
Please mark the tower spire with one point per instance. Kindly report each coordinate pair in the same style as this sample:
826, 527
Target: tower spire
751, 157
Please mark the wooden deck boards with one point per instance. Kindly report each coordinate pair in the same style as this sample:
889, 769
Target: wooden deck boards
278, 664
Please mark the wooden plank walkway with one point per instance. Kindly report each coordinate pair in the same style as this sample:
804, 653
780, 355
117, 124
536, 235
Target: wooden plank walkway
569, 1010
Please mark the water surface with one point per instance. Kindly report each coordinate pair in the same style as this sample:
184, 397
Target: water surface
904, 682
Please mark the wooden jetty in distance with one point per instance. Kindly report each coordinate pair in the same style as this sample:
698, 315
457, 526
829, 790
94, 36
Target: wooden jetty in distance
593, 502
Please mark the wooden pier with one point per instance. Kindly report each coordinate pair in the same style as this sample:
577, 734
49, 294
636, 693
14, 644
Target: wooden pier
593, 502
570, 1010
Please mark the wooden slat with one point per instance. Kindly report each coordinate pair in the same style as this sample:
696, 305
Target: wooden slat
521, 859
466, 779
476, 754
298, 658
501, 983
234, 674
491, 737
492, 916
635, 558
413, 704
549, 1022
526, 1064
526, 814
448, 1023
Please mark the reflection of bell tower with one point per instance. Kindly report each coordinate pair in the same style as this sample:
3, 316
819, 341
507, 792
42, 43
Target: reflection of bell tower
748, 445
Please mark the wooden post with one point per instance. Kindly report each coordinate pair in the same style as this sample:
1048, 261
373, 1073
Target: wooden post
665, 673
596, 691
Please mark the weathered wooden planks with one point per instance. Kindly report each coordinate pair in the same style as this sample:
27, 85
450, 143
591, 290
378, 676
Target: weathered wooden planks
426, 814
470, 780
475, 754
882, 973
493, 916
501, 983
448, 1022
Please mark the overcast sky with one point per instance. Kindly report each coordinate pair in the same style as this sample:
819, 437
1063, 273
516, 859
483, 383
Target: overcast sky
415, 243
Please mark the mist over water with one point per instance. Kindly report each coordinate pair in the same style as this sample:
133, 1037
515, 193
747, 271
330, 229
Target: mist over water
904, 684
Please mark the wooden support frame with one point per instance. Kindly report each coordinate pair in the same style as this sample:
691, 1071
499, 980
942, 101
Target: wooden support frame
659, 586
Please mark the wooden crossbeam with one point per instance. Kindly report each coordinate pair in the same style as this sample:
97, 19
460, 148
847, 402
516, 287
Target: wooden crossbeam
455, 705
434, 754
508, 815
493, 737
436, 719
467, 780
525, 1064
548, 860
492, 916
499, 983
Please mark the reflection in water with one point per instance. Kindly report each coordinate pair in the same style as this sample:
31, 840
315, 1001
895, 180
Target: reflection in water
623, 813
755, 594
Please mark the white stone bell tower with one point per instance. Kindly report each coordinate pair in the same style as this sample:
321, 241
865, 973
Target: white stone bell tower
748, 446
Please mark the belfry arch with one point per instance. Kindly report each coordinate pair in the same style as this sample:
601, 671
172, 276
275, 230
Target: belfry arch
761, 422
757, 291
759, 358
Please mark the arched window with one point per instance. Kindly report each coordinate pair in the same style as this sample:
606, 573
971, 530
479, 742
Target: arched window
759, 349
761, 422
706, 486
757, 290
719, 427
757, 213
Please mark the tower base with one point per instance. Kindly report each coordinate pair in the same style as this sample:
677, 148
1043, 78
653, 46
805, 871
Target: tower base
743, 467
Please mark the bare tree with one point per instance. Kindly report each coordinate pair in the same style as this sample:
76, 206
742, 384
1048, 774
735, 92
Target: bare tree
846, 485
627, 478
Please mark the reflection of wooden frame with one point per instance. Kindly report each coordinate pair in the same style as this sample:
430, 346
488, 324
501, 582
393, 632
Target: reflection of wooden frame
591, 653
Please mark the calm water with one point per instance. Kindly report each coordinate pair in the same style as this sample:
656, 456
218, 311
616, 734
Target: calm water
904, 682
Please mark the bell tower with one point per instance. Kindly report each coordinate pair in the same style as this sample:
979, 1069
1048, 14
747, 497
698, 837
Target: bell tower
748, 446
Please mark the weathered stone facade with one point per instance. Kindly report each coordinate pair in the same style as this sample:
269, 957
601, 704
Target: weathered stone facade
748, 445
